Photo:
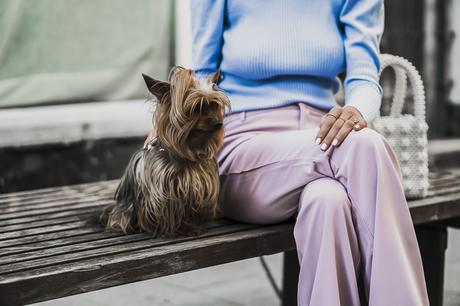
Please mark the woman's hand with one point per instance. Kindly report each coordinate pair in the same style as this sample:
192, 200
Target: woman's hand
337, 124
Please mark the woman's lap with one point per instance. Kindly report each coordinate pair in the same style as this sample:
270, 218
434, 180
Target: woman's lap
269, 156
265, 165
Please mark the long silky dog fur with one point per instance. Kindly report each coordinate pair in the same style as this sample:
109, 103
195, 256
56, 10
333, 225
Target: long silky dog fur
171, 185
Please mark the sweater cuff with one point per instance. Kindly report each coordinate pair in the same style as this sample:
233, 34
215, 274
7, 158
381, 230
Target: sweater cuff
367, 98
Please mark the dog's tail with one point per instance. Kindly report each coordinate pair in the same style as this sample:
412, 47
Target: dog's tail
123, 214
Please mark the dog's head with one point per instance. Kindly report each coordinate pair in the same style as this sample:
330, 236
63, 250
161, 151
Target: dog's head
189, 113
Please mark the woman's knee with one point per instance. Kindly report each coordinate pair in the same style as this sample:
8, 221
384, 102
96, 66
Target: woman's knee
326, 196
367, 140
369, 145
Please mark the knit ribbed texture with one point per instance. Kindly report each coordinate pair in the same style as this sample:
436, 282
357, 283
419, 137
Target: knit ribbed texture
273, 53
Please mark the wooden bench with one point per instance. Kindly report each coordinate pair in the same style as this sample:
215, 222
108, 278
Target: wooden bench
48, 249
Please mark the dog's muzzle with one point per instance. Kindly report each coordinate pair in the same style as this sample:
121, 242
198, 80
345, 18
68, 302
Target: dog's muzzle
216, 123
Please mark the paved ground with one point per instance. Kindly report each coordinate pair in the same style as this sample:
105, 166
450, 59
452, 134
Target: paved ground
236, 284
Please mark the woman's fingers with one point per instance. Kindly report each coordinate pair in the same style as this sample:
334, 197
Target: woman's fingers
344, 131
360, 125
337, 124
331, 137
327, 122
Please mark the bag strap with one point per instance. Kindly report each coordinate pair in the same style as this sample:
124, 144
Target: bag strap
403, 69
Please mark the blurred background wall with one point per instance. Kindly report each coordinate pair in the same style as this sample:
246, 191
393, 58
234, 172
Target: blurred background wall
80, 50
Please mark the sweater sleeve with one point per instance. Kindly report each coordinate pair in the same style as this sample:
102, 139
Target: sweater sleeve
363, 23
207, 30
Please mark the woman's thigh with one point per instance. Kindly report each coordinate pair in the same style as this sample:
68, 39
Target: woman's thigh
266, 174
267, 159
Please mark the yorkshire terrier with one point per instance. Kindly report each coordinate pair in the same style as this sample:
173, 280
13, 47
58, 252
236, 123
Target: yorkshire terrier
171, 185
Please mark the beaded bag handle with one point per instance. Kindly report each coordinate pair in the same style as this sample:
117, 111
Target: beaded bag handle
403, 69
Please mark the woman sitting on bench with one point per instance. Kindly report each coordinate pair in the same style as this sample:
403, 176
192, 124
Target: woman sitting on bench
290, 150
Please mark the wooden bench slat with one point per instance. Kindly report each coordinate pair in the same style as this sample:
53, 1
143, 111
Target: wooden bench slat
97, 273
25, 196
443, 191
436, 208
55, 199
447, 183
74, 247
44, 230
441, 173
60, 242
79, 206
49, 222
51, 236
54, 250
49, 217
56, 203
128, 246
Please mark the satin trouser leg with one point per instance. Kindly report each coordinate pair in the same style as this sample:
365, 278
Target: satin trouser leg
352, 215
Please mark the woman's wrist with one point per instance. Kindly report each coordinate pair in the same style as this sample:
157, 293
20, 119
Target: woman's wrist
366, 99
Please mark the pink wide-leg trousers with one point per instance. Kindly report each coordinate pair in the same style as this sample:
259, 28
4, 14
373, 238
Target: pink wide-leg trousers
352, 218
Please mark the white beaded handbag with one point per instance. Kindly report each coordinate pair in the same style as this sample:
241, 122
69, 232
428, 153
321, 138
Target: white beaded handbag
406, 133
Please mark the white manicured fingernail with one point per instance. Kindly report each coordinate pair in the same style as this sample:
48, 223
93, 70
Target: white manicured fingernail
323, 146
335, 142
318, 141
356, 126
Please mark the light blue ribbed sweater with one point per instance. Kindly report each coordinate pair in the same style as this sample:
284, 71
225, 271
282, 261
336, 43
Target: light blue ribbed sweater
277, 52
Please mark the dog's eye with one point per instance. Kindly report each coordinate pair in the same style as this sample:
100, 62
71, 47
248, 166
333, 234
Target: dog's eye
214, 106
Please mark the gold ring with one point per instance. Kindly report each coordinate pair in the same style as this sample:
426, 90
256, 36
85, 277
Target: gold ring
331, 115
355, 120
342, 119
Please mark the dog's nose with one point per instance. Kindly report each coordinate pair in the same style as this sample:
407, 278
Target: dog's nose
216, 123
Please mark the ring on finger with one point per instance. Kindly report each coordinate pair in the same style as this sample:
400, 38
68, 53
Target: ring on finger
329, 114
354, 120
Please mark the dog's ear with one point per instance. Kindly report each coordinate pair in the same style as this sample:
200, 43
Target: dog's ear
214, 78
156, 87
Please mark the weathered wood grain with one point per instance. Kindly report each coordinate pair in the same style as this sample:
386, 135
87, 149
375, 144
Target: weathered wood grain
97, 273
59, 242
50, 236
55, 203
102, 250
65, 241
43, 223
49, 201
49, 216
76, 247
43, 230
24, 196
436, 208
78, 206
